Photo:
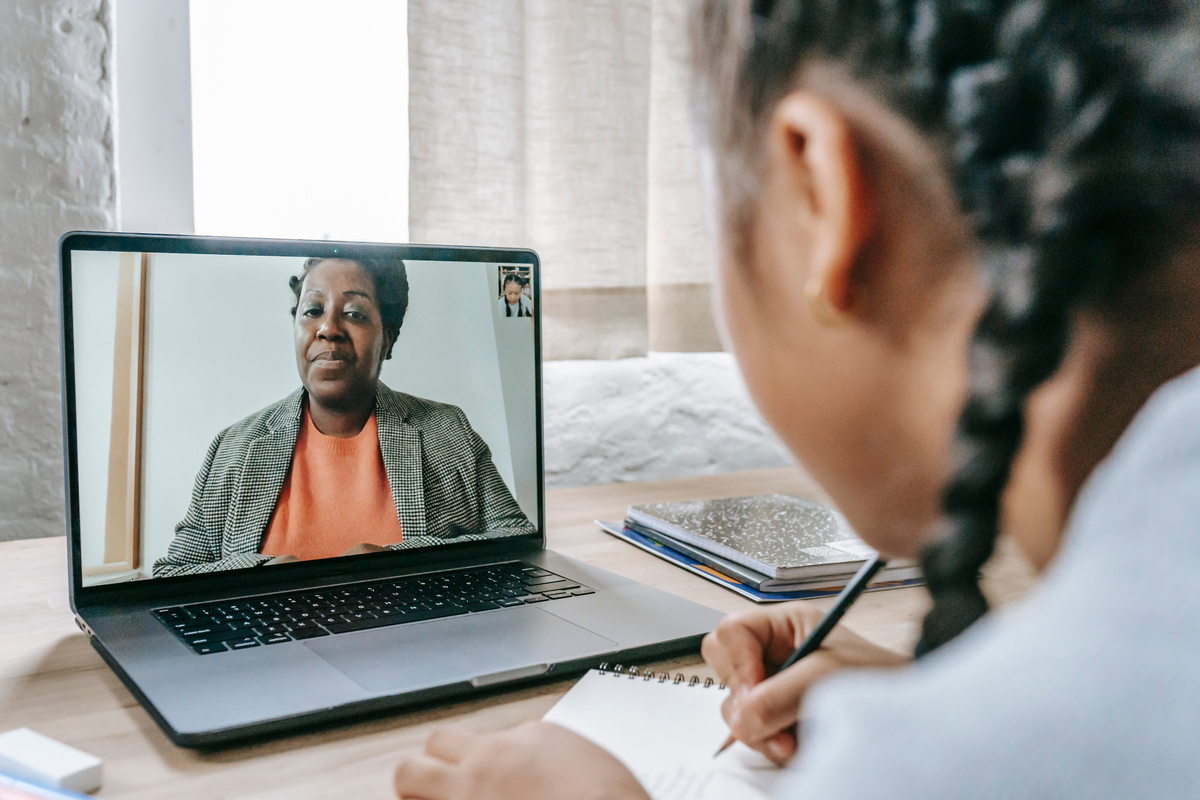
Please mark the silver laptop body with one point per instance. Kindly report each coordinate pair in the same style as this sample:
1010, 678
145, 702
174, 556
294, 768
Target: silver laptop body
167, 341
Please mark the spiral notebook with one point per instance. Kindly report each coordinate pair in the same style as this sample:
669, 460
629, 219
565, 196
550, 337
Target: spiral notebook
665, 729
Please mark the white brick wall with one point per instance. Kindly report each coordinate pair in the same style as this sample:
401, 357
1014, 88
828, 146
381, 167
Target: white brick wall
637, 419
56, 175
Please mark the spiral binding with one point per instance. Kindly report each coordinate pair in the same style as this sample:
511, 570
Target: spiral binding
620, 671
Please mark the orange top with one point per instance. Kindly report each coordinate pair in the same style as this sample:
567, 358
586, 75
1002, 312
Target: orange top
336, 496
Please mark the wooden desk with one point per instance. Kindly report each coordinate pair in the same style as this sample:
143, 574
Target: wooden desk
51, 680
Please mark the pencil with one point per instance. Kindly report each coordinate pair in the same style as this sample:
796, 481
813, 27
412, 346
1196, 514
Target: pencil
813, 641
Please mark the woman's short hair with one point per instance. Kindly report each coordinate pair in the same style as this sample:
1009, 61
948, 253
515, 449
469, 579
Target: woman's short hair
390, 279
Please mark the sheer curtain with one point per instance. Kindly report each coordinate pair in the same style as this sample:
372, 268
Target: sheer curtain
563, 126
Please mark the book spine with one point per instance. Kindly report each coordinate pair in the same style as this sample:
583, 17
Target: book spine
765, 583
678, 533
666, 553
722, 565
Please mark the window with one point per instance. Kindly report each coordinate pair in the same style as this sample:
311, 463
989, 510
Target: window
289, 118
300, 118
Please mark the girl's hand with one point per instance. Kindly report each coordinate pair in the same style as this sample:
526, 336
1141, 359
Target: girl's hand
533, 761
746, 649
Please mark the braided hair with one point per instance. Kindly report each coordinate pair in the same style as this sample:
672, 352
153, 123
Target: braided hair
1071, 134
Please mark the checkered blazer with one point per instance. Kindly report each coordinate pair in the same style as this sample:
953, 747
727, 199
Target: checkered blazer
443, 481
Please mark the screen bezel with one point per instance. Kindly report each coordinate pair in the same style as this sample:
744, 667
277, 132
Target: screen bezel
301, 572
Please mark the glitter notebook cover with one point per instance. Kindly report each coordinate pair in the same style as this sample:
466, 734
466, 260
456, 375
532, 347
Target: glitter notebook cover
780, 535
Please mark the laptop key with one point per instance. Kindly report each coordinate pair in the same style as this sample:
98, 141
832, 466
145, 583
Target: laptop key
534, 581
275, 638
535, 598
581, 592
509, 602
557, 595
189, 633
309, 633
480, 606
218, 636
361, 624
559, 586
243, 644
214, 647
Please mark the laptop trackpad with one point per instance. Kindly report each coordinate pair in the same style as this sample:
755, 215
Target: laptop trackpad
439, 652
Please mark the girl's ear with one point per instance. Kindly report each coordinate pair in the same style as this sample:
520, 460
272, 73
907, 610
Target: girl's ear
816, 148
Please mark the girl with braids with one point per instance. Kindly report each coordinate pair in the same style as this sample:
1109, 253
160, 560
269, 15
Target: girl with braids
960, 270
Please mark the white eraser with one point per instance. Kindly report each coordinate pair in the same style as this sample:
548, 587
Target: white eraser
40, 759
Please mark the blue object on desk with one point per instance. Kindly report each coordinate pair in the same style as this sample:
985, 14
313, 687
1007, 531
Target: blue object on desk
17, 789
691, 565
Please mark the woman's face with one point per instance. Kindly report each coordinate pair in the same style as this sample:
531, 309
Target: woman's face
340, 341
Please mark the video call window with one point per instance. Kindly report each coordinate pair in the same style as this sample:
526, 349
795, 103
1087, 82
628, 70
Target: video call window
516, 297
212, 394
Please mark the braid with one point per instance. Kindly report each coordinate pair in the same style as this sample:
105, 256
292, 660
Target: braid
1070, 153
1064, 197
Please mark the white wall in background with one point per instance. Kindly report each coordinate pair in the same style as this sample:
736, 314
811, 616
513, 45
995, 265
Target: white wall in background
447, 351
94, 307
669, 415
218, 347
514, 344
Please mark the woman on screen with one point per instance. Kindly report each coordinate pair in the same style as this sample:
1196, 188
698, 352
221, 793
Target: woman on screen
343, 465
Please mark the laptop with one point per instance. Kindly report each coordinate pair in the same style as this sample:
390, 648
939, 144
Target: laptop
305, 482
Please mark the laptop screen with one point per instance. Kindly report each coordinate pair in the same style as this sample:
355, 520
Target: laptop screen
243, 411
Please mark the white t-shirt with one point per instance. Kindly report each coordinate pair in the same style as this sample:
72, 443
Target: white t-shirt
521, 308
1088, 688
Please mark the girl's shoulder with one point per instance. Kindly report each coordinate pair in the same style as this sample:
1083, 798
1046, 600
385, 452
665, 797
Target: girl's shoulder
1087, 684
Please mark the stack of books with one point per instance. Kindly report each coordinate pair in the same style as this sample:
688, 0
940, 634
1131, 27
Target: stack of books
767, 547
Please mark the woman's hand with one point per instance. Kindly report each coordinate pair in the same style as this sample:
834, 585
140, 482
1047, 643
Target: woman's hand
746, 649
534, 761
364, 547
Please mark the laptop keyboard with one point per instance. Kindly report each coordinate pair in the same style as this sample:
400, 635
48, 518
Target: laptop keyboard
289, 616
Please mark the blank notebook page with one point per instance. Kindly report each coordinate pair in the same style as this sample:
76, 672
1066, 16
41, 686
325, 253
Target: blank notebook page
666, 734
